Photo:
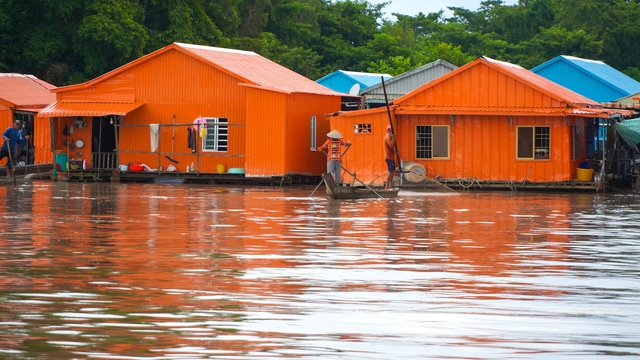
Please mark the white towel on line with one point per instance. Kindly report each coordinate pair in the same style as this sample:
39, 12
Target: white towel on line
155, 134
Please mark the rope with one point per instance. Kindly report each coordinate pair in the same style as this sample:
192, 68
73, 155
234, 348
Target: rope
472, 181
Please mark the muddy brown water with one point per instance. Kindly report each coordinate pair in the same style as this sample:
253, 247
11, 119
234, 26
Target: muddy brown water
172, 271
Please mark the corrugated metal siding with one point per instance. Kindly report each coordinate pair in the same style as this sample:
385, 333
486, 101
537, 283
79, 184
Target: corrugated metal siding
25, 90
42, 141
581, 82
300, 108
482, 85
338, 81
266, 133
174, 83
591, 78
117, 89
179, 85
365, 158
404, 84
482, 146
366, 79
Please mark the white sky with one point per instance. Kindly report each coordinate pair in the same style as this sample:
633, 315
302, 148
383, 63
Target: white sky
413, 7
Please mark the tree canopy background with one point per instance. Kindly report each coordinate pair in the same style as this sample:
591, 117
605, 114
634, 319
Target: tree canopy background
70, 41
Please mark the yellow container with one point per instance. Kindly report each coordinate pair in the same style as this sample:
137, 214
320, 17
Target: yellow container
220, 168
584, 174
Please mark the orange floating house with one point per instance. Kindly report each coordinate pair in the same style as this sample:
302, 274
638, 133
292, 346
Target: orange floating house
21, 98
212, 107
489, 121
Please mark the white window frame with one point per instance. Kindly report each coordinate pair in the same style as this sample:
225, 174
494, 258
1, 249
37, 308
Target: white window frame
217, 139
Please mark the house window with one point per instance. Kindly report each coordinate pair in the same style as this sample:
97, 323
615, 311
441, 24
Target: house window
534, 142
362, 128
432, 142
313, 132
217, 135
575, 142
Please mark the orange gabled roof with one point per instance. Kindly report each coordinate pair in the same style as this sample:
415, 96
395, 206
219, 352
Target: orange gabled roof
248, 67
482, 85
25, 92
257, 69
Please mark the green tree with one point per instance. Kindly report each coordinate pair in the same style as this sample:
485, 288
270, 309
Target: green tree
110, 35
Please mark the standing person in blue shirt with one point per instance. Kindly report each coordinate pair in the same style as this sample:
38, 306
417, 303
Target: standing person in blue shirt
11, 137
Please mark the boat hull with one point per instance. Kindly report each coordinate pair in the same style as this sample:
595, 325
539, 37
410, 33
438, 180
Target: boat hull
355, 192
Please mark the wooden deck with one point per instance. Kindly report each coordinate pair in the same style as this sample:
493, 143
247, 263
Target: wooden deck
474, 184
184, 177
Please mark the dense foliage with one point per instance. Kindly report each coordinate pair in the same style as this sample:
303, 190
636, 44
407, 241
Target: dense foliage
70, 41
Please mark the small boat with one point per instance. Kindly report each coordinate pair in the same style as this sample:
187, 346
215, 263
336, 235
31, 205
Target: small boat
355, 192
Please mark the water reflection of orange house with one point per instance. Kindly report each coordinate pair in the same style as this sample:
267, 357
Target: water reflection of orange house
461, 235
256, 114
487, 120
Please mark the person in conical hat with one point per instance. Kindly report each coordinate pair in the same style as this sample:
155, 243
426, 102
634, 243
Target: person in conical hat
334, 146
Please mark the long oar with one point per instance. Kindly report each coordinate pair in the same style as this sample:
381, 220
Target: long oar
355, 177
314, 190
393, 130
13, 169
360, 181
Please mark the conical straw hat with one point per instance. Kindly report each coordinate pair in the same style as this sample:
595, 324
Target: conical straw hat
335, 134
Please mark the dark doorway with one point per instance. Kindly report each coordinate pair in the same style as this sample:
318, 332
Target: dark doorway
103, 144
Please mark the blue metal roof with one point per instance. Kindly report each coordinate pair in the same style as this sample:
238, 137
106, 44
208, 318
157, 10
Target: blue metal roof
343, 81
591, 78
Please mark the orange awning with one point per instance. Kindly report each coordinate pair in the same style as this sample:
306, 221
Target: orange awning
57, 109
508, 110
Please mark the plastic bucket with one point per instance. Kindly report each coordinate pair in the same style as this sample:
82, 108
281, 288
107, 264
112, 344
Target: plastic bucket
584, 174
220, 168
62, 159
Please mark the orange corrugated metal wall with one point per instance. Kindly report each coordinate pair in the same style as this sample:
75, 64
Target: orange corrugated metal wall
484, 148
300, 158
481, 147
42, 140
187, 88
365, 158
176, 89
266, 133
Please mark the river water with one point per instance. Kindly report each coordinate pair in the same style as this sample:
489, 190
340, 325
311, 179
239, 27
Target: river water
174, 271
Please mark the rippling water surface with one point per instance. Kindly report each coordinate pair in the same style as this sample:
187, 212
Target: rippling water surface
172, 271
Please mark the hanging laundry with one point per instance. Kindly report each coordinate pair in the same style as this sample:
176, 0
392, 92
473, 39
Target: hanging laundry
200, 126
191, 140
155, 135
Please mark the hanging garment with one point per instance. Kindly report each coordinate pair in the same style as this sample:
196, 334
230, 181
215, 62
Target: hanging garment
191, 139
155, 135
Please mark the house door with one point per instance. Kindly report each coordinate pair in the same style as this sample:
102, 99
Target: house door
103, 144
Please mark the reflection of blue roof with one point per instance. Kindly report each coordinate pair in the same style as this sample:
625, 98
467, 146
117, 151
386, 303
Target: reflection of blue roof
343, 81
591, 78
